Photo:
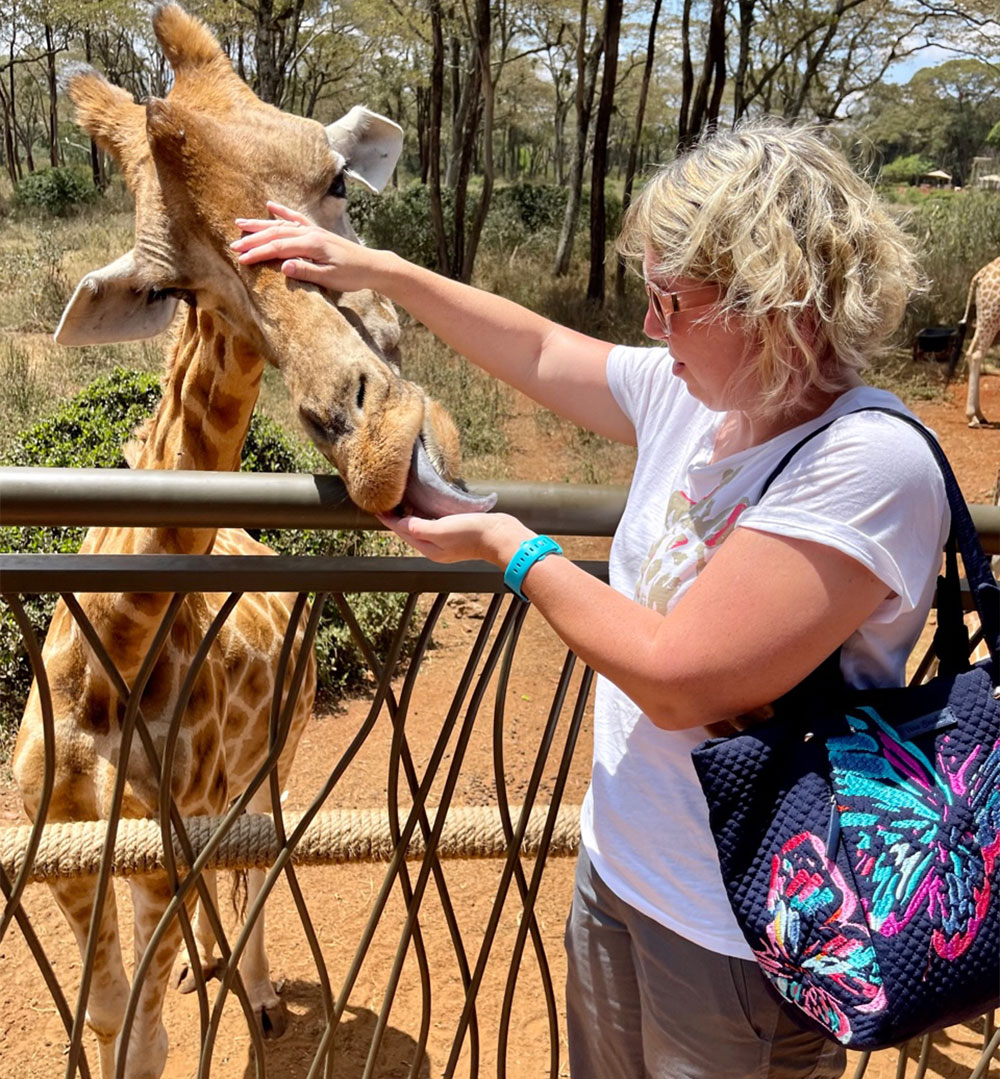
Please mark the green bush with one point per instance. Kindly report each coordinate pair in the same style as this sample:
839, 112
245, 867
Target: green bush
958, 233
535, 206
88, 432
56, 190
399, 220
906, 170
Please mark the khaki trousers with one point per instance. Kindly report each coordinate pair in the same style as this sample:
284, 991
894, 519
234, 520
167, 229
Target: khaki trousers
644, 1003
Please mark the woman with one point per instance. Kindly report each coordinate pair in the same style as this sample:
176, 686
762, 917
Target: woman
773, 277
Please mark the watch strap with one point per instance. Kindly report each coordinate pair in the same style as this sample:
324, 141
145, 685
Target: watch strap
528, 553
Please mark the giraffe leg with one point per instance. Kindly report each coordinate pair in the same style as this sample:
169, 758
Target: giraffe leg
977, 351
972, 409
254, 967
109, 986
147, 1039
212, 965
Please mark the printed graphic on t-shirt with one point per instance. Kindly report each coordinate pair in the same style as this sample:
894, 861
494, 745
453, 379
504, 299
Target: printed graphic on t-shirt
692, 530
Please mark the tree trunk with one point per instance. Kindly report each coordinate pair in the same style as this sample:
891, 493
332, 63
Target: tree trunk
25, 136
10, 119
466, 155
559, 145
263, 48
434, 136
9, 144
740, 102
586, 79
814, 58
717, 47
687, 75
598, 211
459, 107
97, 171
633, 152
276, 35
423, 102
700, 104
55, 158
487, 95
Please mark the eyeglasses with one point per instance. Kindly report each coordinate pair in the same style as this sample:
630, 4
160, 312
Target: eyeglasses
667, 304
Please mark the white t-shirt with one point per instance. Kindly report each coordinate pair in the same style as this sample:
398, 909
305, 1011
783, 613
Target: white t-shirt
867, 486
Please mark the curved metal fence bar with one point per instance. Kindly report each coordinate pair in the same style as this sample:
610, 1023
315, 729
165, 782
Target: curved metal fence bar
411, 839
48, 735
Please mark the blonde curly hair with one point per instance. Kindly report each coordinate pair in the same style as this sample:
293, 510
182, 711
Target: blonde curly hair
803, 249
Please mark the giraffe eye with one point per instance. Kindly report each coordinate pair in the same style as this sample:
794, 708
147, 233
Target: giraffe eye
338, 189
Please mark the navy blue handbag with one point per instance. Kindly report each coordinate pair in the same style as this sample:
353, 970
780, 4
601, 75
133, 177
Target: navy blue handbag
859, 831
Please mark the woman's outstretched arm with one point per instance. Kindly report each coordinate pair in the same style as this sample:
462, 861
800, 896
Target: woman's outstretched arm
561, 369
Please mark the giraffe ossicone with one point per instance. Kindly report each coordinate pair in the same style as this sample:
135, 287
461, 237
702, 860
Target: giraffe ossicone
194, 161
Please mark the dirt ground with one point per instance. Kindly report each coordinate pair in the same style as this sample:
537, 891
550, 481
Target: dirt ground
340, 898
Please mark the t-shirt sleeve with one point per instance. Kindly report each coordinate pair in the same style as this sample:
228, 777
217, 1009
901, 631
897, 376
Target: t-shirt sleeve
870, 487
640, 379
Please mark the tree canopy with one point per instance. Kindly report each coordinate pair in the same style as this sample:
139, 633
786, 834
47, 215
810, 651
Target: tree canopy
568, 92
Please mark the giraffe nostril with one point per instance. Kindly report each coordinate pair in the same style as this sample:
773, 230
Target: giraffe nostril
360, 400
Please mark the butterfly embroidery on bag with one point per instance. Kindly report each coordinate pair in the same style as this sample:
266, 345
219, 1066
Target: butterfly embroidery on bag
818, 950
926, 840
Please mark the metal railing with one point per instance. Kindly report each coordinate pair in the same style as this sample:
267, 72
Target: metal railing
414, 836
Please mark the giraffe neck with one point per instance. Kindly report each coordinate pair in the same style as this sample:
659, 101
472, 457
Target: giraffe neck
209, 394
208, 398
202, 422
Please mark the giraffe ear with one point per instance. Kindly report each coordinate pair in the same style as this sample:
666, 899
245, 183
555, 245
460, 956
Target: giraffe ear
370, 145
113, 304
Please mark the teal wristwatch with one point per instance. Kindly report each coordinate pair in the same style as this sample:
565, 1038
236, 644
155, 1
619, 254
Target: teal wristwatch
531, 551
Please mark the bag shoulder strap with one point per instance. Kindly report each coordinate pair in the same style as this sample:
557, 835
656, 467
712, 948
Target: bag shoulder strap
985, 591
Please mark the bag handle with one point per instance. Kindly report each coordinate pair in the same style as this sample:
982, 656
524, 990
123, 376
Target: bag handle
951, 631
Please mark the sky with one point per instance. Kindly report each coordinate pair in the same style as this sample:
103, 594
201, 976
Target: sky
903, 71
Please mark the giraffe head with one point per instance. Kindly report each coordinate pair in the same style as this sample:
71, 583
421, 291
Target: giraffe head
212, 151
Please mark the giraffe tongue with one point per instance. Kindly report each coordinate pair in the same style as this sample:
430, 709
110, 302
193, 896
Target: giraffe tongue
428, 494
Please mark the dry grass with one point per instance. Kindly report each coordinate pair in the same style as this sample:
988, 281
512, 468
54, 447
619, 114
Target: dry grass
41, 260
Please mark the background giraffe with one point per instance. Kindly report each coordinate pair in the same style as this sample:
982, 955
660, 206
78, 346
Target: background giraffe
984, 293
194, 161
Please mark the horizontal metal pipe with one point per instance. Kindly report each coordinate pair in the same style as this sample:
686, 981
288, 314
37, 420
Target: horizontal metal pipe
155, 498
987, 522
20, 573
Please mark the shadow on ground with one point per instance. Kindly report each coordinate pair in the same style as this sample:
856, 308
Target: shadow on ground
293, 1055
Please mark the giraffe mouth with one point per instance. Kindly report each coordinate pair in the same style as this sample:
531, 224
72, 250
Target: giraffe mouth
429, 494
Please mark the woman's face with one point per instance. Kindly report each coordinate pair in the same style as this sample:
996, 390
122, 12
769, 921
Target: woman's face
707, 351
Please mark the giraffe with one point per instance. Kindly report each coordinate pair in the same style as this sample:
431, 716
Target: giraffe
194, 161
984, 293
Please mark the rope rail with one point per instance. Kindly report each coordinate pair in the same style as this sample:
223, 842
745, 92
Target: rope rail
73, 849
